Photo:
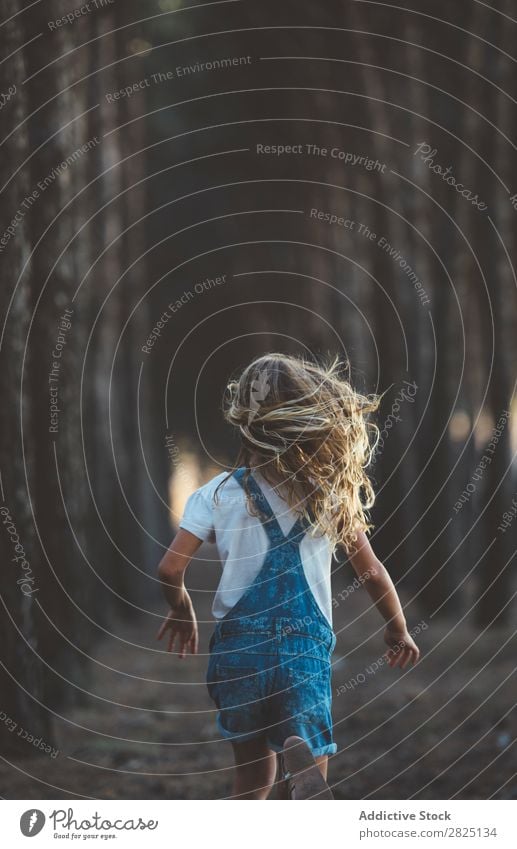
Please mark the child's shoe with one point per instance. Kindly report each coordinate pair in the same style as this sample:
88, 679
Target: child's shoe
301, 772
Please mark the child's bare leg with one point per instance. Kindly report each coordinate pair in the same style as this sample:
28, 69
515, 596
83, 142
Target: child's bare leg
282, 792
255, 769
323, 763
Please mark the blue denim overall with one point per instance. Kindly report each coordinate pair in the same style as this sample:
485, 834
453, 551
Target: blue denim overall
269, 670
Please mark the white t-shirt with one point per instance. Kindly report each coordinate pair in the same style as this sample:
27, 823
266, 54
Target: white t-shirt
242, 542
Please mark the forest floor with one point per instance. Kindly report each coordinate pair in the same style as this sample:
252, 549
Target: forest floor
146, 728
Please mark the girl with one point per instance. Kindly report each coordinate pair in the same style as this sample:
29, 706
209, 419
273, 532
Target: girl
298, 490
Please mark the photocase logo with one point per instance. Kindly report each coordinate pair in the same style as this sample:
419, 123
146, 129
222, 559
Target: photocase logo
31, 822
259, 391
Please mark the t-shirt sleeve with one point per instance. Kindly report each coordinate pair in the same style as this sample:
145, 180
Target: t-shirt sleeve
197, 516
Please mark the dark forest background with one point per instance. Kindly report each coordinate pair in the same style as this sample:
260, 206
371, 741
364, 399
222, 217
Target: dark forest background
171, 192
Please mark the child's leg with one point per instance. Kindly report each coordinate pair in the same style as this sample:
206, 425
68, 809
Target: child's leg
255, 769
323, 762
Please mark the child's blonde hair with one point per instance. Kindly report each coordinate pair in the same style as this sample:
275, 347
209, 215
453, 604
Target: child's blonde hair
305, 427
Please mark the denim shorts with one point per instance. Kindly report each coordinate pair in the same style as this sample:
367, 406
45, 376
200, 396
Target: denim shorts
272, 681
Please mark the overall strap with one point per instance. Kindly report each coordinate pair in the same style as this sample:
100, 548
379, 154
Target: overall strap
267, 516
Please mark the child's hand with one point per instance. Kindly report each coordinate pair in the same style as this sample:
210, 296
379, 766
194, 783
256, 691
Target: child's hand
181, 622
402, 647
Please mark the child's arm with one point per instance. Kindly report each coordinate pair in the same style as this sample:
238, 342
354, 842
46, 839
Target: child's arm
381, 590
181, 620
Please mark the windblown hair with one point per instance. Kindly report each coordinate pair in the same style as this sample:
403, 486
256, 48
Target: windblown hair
306, 430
